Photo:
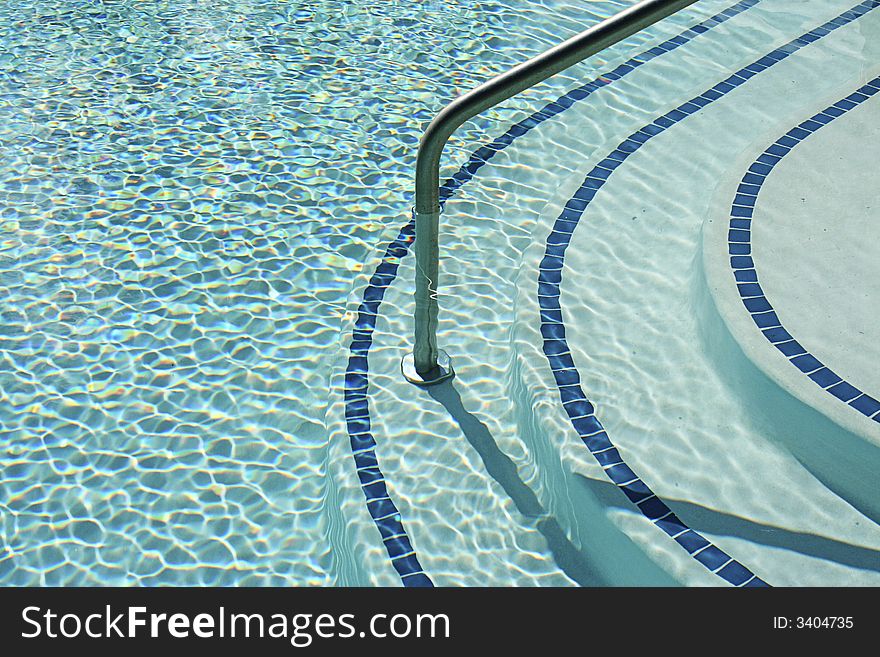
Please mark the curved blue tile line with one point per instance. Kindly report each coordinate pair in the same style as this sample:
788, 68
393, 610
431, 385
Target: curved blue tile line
357, 412
357, 418
745, 273
484, 154
574, 401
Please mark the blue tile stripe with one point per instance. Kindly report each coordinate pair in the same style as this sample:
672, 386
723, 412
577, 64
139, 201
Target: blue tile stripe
745, 272
357, 411
482, 156
579, 409
357, 418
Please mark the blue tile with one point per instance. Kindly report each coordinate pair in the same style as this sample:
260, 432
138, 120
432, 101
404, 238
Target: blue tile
671, 525
739, 248
560, 361
406, 565
358, 363
566, 377
365, 460
620, 474
712, 558
381, 508
825, 377
586, 426
738, 235
866, 405
760, 169
777, 334
578, 407
573, 393
417, 580
636, 491
778, 149
566, 223
757, 304
548, 289
806, 363
654, 508
756, 67
597, 442
810, 125
390, 526
398, 546
742, 262
600, 173
691, 541
746, 275
791, 348
576, 204
360, 346
556, 250
369, 476
608, 457
750, 290
357, 408
375, 491
844, 391
356, 380
766, 320
745, 188
553, 331
360, 440
552, 262
735, 573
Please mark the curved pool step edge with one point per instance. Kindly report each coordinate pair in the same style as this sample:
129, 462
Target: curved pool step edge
759, 347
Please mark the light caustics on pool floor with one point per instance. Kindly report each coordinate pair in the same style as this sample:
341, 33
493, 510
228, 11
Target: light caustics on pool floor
188, 190
177, 426
559, 353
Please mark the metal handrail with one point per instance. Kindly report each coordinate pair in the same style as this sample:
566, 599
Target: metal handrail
427, 365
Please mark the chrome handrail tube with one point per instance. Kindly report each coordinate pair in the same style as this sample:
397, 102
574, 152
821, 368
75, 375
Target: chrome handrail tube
424, 368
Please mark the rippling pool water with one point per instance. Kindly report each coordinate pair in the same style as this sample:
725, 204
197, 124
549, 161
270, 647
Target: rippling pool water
187, 190
193, 196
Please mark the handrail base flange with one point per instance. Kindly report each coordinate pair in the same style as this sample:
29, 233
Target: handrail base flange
443, 371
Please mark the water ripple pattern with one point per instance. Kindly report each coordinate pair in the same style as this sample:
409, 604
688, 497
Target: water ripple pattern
187, 189
579, 409
357, 417
739, 238
379, 503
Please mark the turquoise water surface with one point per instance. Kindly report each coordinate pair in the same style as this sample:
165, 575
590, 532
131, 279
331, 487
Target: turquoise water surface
187, 190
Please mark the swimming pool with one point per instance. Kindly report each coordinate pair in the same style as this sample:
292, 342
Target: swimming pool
205, 261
